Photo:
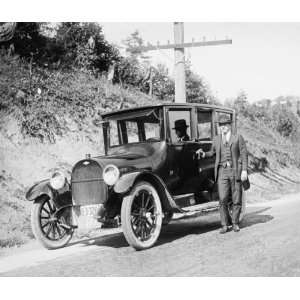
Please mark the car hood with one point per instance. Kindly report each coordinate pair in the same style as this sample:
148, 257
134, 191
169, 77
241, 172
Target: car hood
132, 157
129, 161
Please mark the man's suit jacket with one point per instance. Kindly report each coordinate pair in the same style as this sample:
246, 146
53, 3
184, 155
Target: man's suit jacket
185, 138
239, 154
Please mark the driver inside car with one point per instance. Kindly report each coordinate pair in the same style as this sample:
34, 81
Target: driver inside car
180, 128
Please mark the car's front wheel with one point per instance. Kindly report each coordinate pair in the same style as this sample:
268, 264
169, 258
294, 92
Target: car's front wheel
141, 216
50, 226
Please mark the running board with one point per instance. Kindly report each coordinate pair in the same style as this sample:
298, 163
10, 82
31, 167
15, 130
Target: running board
184, 200
190, 199
197, 210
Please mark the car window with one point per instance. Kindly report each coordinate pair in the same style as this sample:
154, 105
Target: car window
175, 115
142, 128
152, 131
132, 131
113, 133
204, 125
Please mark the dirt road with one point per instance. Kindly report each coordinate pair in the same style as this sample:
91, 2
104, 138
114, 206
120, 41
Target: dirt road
267, 245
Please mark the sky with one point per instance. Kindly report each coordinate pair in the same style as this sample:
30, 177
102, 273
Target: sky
263, 59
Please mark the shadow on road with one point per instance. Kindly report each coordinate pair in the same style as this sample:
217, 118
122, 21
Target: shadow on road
256, 217
116, 240
178, 229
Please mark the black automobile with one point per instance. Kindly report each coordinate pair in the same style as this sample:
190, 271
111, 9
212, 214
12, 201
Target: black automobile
145, 177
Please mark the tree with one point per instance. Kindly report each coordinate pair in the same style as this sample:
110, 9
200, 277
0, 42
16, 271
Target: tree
196, 90
240, 103
133, 46
85, 47
28, 41
163, 85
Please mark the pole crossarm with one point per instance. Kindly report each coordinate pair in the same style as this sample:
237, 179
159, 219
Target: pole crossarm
151, 47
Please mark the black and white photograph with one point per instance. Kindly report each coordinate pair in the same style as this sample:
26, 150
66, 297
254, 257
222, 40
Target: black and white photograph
149, 149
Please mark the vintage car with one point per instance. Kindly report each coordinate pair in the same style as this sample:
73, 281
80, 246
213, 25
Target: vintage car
145, 177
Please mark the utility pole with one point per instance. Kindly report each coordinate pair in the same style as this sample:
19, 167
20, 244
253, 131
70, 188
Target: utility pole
179, 46
180, 94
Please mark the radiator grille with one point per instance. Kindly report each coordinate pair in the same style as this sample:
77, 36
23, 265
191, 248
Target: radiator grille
88, 186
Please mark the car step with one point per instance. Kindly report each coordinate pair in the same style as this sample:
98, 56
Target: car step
184, 200
197, 210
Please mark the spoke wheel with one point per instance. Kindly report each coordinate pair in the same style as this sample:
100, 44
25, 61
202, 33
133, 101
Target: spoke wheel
49, 226
141, 216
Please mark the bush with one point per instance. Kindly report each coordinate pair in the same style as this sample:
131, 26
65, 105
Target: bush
196, 90
284, 121
279, 118
43, 101
85, 47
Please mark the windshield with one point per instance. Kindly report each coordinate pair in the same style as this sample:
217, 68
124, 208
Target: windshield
143, 126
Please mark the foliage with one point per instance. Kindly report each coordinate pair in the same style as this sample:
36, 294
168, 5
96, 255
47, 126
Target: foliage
15, 212
133, 44
285, 121
71, 44
28, 41
278, 117
85, 47
44, 100
163, 85
196, 90
132, 73
241, 102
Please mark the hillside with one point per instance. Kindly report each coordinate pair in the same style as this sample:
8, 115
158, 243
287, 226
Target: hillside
50, 125
49, 119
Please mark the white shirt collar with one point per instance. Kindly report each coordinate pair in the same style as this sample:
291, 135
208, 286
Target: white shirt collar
227, 136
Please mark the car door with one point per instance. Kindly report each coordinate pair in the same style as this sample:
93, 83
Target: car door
205, 133
181, 165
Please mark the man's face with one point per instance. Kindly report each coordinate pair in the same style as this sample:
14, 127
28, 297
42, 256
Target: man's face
180, 132
225, 128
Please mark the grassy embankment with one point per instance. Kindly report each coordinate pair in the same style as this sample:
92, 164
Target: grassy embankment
49, 120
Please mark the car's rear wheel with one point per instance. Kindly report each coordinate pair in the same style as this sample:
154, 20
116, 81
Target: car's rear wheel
50, 226
141, 216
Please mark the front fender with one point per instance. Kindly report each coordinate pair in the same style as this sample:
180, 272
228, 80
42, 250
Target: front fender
38, 189
126, 182
60, 197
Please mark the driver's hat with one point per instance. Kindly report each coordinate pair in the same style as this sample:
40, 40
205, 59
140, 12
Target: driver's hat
179, 124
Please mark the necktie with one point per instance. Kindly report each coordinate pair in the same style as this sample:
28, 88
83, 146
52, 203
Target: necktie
224, 139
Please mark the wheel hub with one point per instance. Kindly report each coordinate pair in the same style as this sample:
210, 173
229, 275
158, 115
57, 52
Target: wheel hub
53, 218
143, 212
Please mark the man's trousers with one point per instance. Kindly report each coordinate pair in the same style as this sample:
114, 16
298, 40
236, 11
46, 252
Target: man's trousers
227, 185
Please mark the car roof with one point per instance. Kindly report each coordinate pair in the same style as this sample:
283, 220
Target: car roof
171, 104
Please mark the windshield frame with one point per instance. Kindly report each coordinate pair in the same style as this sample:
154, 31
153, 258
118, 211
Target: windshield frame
132, 117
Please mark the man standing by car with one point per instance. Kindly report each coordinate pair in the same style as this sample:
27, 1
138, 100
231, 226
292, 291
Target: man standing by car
230, 170
180, 128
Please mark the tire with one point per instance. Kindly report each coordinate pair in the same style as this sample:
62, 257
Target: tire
46, 224
141, 216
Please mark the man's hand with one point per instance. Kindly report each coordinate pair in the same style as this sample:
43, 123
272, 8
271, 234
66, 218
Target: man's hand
200, 153
244, 175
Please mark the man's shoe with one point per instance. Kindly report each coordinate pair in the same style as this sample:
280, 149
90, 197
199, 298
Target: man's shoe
224, 229
235, 227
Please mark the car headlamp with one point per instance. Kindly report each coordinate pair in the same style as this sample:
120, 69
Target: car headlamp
58, 180
111, 174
